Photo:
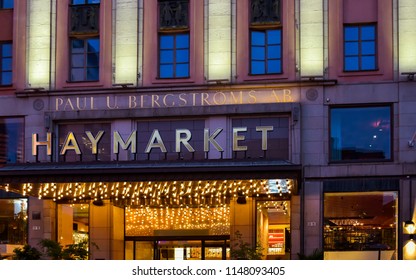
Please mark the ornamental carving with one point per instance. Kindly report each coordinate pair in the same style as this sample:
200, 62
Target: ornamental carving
173, 14
265, 11
84, 19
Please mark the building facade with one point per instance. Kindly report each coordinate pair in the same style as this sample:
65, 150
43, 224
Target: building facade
170, 129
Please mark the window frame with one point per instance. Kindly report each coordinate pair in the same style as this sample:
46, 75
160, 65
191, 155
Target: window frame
360, 42
85, 54
86, 2
391, 134
266, 47
174, 49
2, 44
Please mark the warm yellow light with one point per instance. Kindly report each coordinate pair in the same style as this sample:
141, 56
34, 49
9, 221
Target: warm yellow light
126, 41
39, 43
219, 43
407, 35
409, 227
311, 38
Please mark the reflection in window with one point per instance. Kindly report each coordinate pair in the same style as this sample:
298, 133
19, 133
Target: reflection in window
360, 47
365, 222
11, 140
174, 56
5, 63
73, 223
273, 228
6, 4
85, 59
13, 221
360, 133
84, 143
266, 52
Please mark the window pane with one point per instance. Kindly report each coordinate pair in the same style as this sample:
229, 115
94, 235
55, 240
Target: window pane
77, 75
6, 78
92, 74
6, 64
258, 38
363, 224
93, 45
182, 56
166, 71
368, 32
11, 134
6, 50
360, 133
77, 46
13, 221
368, 63
351, 48
93, 1
351, 64
258, 53
182, 41
351, 33
77, 60
182, 70
273, 37
274, 67
92, 60
368, 48
166, 42
166, 56
258, 67
274, 52
7, 4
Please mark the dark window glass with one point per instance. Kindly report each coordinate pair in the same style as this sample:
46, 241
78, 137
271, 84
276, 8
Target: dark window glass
13, 221
6, 63
266, 52
360, 225
360, 133
83, 2
360, 48
85, 59
174, 56
11, 140
6, 4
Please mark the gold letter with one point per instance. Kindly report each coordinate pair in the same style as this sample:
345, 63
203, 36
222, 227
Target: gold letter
184, 141
252, 96
204, 98
70, 144
131, 141
182, 98
240, 98
287, 95
159, 142
94, 140
155, 99
69, 103
237, 138
264, 130
164, 100
115, 103
221, 94
58, 102
79, 104
47, 143
211, 139
132, 102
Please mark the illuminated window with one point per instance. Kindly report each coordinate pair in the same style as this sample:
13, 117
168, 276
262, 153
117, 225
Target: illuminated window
11, 140
6, 63
85, 59
174, 42
360, 48
6, 4
360, 133
266, 52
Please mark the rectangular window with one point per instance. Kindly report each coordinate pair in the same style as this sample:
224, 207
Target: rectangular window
360, 225
13, 221
174, 55
11, 140
6, 64
85, 59
360, 133
266, 52
85, 2
360, 47
6, 4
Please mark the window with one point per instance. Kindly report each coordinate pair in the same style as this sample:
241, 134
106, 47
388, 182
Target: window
360, 47
362, 133
174, 54
85, 58
85, 2
11, 140
6, 4
360, 225
13, 221
6, 64
266, 52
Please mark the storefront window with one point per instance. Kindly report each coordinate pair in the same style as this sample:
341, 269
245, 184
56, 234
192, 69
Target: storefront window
13, 221
73, 223
360, 133
11, 140
360, 225
273, 228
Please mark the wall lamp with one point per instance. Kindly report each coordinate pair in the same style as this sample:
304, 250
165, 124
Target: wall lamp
409, 226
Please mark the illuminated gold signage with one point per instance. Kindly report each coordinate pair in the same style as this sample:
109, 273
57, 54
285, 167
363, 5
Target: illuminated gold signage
175, 99
155, 141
